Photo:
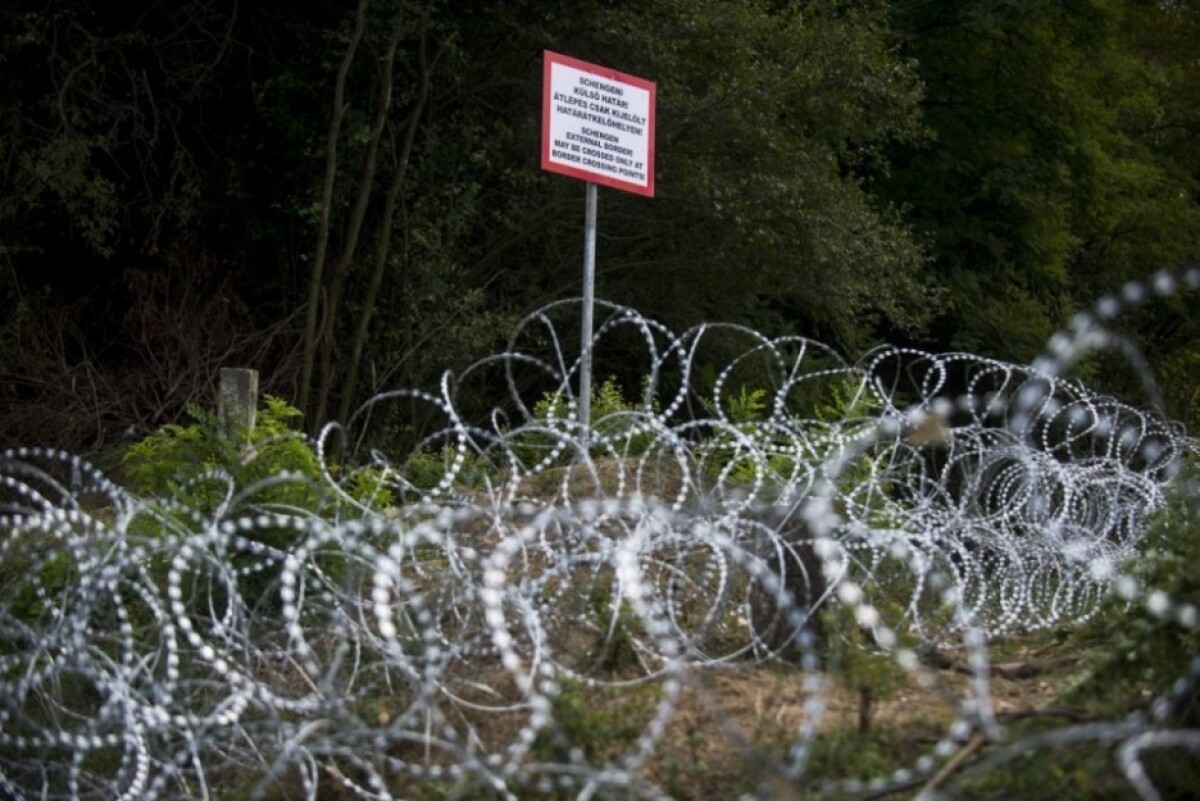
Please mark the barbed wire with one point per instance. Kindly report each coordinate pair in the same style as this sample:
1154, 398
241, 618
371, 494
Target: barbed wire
430, 635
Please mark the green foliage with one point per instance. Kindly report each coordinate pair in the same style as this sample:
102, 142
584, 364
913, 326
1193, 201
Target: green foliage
1051, 177
270, 465
196, 470
1053, 774
691, 772
601, 723
845, 401
748, 407
615, 427
427, 468
42, 571
1145, 653
852, 755
845, 170
617, 623
860, 666
778, 113
1171, 332
173, 460
839, 405
728, 456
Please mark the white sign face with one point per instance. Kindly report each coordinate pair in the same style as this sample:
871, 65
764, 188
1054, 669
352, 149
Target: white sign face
598, 124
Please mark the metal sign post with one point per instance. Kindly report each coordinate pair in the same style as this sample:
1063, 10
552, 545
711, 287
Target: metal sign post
589, 300
597, 125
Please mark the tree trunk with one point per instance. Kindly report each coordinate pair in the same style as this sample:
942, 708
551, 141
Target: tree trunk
383, 243
331, 147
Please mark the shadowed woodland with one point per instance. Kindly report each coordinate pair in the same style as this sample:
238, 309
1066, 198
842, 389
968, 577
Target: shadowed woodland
346, 196
887, 491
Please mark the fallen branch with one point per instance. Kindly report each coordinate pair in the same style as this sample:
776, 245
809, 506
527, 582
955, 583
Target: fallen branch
1006, 670
1029, 668
954, 763
1067, 713
972, 745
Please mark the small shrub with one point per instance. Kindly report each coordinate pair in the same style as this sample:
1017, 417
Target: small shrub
601, 723
615, 427
872, 674
618, 624
427, 468
191, 468
751, 450
274, 463
173, 461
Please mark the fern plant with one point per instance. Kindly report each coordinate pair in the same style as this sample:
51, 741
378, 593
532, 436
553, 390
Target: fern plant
614, 424
269, 465
173, 461
198, 470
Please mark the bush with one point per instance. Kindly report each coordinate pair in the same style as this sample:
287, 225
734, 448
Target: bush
1148, 652
616, 428
195, 472
272, 464
174, 460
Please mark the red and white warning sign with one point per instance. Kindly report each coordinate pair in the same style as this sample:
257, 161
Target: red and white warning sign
598, 124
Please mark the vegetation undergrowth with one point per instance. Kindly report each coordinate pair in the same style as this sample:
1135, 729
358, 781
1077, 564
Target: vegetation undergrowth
272, 466
1136, 657
197, 472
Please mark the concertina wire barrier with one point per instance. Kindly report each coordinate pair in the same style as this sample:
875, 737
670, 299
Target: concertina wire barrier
419, 641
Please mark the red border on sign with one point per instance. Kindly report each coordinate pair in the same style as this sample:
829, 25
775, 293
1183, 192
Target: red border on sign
550, 58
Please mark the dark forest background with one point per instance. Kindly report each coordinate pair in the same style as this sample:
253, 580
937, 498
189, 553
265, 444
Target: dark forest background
347, 196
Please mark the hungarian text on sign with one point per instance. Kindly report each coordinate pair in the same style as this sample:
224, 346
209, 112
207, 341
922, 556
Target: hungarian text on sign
598, 124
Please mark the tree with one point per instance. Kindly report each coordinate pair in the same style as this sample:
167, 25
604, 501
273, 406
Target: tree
772, 121
121, 306
1043, 185
326, 164
330, 287
773, 118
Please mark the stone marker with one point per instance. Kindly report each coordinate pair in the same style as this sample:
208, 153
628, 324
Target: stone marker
238, 402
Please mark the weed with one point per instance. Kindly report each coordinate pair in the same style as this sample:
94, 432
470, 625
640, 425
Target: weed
600, 724
617, 427
618, 623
